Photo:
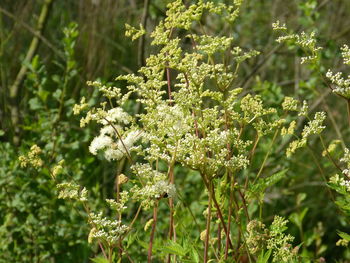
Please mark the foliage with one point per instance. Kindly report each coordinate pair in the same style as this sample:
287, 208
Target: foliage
224, 145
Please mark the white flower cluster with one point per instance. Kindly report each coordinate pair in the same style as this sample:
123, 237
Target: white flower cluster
252, 107
273, 238
104, 229
346, 160
32, 158
133, 32
241, 56
113, 150
342, 85
211, 45
119, 206
304, 109
290, 129
313, 127
155, 186
340, 182
279, 242
158, 189
306, 41
116, 115
57, 169
290, 104
80, 107
237, 162
278, 26
72, 191
346, 54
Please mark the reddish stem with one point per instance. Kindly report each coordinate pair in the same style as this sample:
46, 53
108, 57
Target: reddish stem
155, 210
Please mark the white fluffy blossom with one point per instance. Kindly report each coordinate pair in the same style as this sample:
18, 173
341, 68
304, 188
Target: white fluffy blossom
105, 229
117, 115
113, 148
99, 143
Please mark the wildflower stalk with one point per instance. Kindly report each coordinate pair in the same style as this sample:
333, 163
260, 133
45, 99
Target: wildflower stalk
229, 215
217, 206
172, 230
328, 154
266, 156
240, 231
118, 213
169, 84
244, 203
321, 170
207, 229
155, 213
172, 233
132, 223
348, 104
87, 210
219, 238
171, 175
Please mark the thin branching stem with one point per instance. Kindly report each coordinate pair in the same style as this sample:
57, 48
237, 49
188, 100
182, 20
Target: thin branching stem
207, 229
155, 213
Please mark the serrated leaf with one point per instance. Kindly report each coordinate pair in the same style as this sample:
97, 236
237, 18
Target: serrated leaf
142, 243
174, 248
194, 255
344, 235
258, 189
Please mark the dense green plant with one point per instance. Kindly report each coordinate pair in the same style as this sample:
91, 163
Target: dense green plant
196, 119
34, 225
210, 161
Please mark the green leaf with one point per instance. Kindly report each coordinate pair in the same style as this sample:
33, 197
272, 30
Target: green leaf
35, 104
174, 248
194, 255
99, 260
131, 239
142, 243
264, 257
57, 94
258, 189
344, 235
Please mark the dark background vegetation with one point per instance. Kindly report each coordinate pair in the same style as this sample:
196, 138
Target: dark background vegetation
37, 95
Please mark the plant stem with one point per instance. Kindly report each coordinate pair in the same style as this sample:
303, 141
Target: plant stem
267, 155
219, 238
207, 229
229, 217
155, 212
348, 102
217, 206
171, 205
132, 223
